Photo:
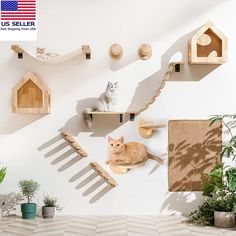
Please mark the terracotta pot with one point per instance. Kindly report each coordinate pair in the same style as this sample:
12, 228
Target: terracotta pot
48, 212
224, 219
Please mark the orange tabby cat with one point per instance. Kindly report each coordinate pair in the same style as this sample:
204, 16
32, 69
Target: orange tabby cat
130, 153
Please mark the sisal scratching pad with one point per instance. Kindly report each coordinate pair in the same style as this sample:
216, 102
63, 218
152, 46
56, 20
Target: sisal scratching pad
194, 149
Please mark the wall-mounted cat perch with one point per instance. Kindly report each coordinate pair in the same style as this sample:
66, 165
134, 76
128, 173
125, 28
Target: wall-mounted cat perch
30, 95
208, 46
95, 181
146, 129
72, 142
90, 114
96, 167
85, 49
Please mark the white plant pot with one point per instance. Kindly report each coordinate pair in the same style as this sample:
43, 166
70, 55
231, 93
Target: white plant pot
224, 219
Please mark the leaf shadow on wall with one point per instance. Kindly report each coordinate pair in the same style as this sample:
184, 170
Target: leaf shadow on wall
101, 126
189, 161
149, 87
188, 175
9, 201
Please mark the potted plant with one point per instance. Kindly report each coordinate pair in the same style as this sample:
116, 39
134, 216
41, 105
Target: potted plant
28, 190
224, 205
50, 205
219, 188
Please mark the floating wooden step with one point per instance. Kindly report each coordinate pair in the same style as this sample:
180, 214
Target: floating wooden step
95, 181
103, 174
74, 144
208, 46
85, 49
30, 95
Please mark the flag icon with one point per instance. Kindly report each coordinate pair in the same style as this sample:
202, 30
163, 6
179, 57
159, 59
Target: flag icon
18, 10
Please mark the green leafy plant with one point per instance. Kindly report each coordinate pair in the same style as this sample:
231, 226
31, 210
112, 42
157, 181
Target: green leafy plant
231, 178
28, 188
3, 172
224, 200
51, 202
229, 149
214, 180
204, 215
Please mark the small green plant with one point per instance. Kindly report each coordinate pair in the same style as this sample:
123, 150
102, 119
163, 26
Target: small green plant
28, 188
51, 202
204, 215
3, 172
224, 200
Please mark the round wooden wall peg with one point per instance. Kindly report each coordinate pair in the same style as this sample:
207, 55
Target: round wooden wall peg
116, 51
145, 51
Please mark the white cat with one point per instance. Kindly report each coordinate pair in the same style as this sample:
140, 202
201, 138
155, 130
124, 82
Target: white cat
41, 54
107, 101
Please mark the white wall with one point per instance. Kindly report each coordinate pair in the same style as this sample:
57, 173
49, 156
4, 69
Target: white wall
65, 26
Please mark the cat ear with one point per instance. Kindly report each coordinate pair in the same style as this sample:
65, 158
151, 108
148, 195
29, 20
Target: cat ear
121, 139
110, 139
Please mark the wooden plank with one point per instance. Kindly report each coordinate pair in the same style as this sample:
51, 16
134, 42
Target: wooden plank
85, 49
194, 148
74, 144
108, 113
96, 167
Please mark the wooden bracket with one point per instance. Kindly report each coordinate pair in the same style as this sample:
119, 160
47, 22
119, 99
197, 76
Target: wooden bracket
87, 51
72, 142
96, 167
18, 50
132, 117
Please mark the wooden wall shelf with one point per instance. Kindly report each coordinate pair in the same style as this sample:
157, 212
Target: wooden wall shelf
85, 49
132, 115
208, 46
30, 95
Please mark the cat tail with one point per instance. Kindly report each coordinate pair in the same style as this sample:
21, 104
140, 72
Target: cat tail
155, 158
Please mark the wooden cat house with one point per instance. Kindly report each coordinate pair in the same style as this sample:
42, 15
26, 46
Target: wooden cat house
30, 95
208, 46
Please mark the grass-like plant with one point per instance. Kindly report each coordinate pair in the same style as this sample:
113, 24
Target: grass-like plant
28, 188
51, 202
3, 172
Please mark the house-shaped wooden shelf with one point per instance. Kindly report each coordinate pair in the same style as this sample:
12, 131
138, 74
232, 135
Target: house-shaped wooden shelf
85, 49
31, 96
208, 46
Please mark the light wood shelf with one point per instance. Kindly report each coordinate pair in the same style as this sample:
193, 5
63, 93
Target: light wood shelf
208, 46
132, 115
30, 95
85, 49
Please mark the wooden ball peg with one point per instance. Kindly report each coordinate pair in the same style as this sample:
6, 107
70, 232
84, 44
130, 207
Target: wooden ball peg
145, 51
116, 51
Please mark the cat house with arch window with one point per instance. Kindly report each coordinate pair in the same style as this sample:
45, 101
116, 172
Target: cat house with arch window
30, 95
208, 46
